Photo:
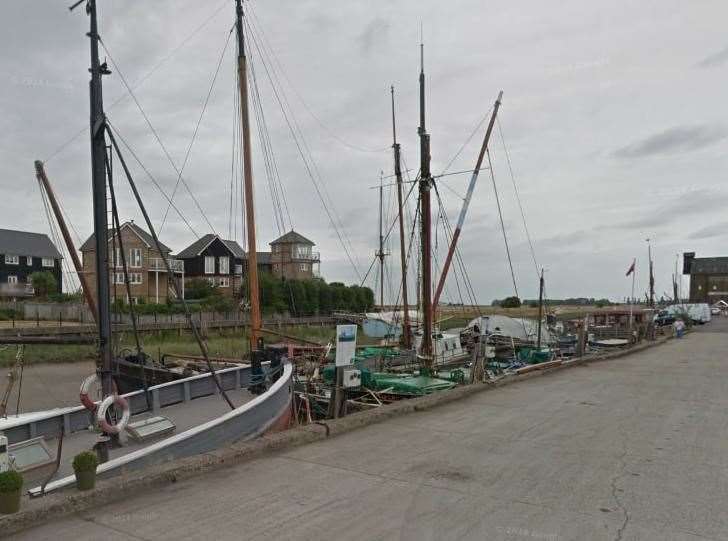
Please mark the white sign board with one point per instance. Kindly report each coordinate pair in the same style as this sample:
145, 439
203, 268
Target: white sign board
345, 344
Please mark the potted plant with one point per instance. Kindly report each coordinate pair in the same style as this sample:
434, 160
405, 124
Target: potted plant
84, 466
11, 483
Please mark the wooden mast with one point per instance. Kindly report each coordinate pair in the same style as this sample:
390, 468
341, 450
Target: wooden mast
466, 204
253, 291
402, 251
380, 254
46, 185
425, 184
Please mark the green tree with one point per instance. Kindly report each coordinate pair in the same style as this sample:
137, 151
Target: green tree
511, 302
199, 288
44, 283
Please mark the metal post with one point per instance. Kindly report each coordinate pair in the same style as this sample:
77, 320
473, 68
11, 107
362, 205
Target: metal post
540, 310
98, 182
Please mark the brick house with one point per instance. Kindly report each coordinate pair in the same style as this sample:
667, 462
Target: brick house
292, 257
216, 260
21, 254
147, 272
708, 277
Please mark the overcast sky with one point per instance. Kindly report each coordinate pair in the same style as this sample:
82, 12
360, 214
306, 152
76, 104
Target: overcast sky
613, 114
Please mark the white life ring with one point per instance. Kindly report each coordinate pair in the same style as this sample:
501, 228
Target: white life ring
88, 403
120, 401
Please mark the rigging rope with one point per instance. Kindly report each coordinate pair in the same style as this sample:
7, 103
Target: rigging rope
518, 198
307, 157
155, 133
151, 177
197, 128
264, 39
153, 70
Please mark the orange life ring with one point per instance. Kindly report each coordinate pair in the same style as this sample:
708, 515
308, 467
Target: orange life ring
85, 386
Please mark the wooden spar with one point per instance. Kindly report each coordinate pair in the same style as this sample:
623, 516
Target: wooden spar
380, 254
402, 252
425, 184
540, 309
253, 291
466, 203
46, 186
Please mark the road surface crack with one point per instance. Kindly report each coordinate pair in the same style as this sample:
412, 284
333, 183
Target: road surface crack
615, 490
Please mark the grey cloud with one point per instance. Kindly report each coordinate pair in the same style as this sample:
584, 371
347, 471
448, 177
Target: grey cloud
711, 231
715, 59
689, 203
674, 140
374, 32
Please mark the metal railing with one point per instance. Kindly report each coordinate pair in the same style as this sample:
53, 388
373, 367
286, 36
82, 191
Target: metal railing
306, 256
157, 264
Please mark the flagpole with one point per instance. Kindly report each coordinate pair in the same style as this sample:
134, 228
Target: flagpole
631, 300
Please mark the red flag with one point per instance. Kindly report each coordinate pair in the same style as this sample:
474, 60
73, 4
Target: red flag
630, 270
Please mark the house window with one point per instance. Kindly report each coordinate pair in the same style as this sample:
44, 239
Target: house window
209, 265
211, 281
117, 258
304, 267
238, 269
224, 264
48, 262
12, 259
29, 261
135, 257
12, 279
135, 278
223, 281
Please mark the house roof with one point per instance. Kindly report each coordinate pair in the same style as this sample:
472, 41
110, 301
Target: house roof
197, 247
709, 265
146, 238
24, 243
292, 238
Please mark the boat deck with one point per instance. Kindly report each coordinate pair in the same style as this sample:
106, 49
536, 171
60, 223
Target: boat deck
184, 415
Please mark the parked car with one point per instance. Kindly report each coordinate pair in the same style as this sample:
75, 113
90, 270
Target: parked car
664, 318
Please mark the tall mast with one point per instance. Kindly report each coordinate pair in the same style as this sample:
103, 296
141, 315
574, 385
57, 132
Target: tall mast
380, 254
652, 276
100, 210
540, 309
402, 251
255, 322
466, 204
425, 184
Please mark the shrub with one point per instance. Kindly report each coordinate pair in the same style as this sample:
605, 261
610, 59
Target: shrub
85, 461
44, 283
10, 481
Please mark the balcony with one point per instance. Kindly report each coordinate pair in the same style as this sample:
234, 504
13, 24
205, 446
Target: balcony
306, 256
157, 264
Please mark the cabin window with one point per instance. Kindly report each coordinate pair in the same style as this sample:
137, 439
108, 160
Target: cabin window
135, 257
209, 264
29, 261
224, 264
223, 281
12, 279
12, 259
48, 262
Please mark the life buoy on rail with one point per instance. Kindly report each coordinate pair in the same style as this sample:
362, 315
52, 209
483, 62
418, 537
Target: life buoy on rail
120, 401
85, 386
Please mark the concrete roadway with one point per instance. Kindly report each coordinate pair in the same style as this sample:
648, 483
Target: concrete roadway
634, 448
